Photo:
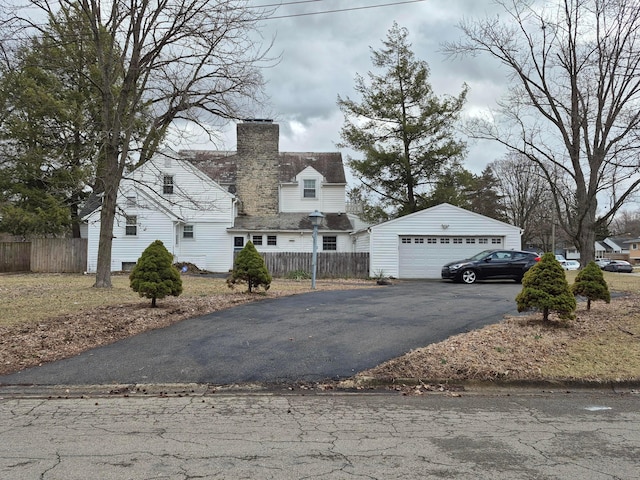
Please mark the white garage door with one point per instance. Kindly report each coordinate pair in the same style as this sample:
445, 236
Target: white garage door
424, 256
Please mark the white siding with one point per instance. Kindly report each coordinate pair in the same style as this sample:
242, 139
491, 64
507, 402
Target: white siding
440, 221
329, 197
196, 200
152, 226
303, 242
361, 241
210, 249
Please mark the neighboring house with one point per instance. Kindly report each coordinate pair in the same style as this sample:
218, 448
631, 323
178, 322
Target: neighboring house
204, 205
617, 247
573, 253
419, 244
633, 246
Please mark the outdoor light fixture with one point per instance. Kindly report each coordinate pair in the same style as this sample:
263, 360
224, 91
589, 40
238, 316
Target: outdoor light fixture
316, 219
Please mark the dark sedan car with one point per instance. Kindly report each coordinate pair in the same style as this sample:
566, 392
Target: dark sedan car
618, 266
491, 264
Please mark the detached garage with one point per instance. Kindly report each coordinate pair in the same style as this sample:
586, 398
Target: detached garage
418, 245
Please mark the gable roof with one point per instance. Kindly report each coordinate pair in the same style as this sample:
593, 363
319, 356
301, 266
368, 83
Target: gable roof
221, 166
617, 244
291, 222
444, 207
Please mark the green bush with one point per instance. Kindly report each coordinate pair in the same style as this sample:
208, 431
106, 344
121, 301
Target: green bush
545, 287
590, 283
249, 268
154, 276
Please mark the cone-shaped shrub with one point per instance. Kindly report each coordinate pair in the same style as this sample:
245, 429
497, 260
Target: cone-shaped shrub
249, 267
545, 288
590, 283
154, 275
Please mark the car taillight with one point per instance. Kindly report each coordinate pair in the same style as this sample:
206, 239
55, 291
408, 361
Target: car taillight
537, 259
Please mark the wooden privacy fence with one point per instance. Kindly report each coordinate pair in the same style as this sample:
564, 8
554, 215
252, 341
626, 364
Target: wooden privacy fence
44, 255
328, 265
15, 256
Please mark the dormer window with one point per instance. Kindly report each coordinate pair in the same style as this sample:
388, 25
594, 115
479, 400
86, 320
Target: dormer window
309, 190
167, 184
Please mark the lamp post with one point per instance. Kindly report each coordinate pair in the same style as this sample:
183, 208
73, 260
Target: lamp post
316, 218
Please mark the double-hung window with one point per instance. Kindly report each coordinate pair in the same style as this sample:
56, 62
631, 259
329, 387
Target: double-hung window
309, 190
131, 227
187, 231
167, 184
329, 243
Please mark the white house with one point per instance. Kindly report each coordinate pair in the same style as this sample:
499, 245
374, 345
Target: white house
419, 244
167, 199
204, 205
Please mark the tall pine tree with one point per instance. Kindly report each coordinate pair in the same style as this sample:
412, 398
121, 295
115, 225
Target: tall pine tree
404, 131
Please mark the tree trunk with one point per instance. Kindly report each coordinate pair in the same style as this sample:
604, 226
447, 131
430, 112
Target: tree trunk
586, 238
153, 302
111, 182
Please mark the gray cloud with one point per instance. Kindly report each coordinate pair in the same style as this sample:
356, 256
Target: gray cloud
321, 54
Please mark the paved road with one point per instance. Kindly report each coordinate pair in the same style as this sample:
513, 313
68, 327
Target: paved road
524, 436
310, 337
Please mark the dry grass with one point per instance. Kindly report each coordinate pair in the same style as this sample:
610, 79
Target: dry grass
48, 317
32, 298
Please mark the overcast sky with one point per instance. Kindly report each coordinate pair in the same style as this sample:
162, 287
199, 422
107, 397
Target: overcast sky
321, 55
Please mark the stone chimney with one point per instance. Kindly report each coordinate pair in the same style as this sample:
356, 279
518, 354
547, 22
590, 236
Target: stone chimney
257, 166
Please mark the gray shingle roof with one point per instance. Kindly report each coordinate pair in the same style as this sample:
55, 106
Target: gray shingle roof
292, 222
222, 168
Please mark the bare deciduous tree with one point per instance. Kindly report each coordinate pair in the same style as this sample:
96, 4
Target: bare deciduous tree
157, 62
574, 103
526, 197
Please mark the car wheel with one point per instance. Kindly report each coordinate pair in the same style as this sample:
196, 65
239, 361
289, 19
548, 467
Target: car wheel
468, 276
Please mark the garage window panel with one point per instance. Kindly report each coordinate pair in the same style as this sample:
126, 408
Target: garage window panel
432, 240
418, 240
470, 240
445, 240
457, 241
496, 241
405, 240
483, 241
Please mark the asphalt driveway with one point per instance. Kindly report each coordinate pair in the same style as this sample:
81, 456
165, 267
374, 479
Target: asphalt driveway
309, 337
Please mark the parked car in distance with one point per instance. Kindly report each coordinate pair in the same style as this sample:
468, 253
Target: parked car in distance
570, 264
618, 266
491, 264
601, 262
